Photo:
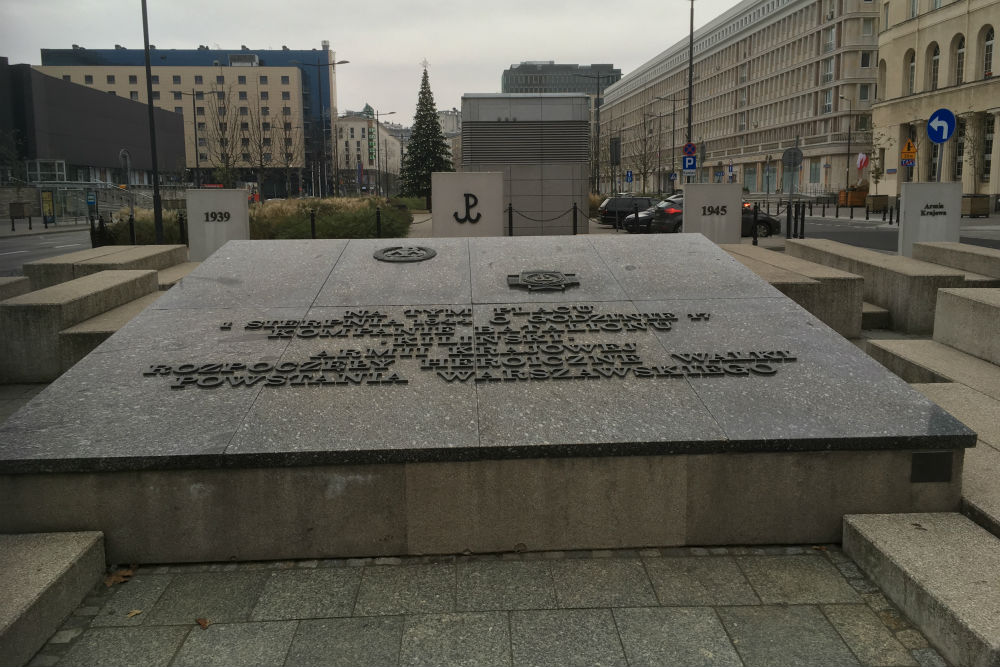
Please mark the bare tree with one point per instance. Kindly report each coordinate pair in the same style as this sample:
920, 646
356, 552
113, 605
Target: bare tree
223, 133
256, 139
975, 147
289, 150
642, 153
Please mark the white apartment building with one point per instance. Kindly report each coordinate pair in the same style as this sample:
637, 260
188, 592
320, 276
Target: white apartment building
937, 54
367, 154
767, 74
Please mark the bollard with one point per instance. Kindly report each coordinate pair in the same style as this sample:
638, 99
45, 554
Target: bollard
12, 224
378, 222
312, 222
802, 224
883, 212
788, 223
574, 218
181, 223
890, 214
756, 211
810, 209
93, 233
510, 219
836, 211
824, 208
851, 217
29, 222
866, 212
635, 217
768, 205
131, 228
898, 219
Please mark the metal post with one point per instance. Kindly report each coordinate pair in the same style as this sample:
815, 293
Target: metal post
866, 212
197, 159
312, 221
378, 222
12, 224
788, 223
635, 216
899, 220
183, 228
849, 206
574, 218
836, 211
802, 227
157, 204
824, 208
890, 213
756, 211
29, 222
131, 228
510, 219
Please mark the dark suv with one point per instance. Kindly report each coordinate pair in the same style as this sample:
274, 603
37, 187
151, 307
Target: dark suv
614, 209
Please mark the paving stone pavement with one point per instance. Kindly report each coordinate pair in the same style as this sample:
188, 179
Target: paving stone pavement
680, 606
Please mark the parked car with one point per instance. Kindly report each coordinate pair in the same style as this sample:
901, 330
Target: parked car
614, 209
667, 217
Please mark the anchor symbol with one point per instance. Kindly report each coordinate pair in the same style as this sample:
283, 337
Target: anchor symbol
469, 205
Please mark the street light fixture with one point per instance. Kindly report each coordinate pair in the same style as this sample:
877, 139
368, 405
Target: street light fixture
850, 117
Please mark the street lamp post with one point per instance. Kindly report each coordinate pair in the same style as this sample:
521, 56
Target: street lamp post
850, 117
673, 142
324, 168
597, 122
157, 204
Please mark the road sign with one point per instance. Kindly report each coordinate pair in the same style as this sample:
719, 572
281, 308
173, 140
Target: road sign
673, 176
690, 149
689, 163
906, 162
791, 158
941, 126
91, 198
862, 161
628, 176
908, 154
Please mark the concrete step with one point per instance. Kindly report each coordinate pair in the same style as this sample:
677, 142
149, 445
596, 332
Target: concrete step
874, 317
172, 275
44, 577
14, 286
30, 323
79, 340
55, 270
971, 258
922, 361
969, 320
837, 300
981, 470
942, 570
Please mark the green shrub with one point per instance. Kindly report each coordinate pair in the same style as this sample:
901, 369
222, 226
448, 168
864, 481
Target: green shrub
412, 203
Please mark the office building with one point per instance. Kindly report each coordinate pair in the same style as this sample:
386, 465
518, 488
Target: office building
549, 77
260, 112
367, 153
767, 74
934, 55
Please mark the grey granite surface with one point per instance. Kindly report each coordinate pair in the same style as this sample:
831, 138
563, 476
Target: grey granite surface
394, 389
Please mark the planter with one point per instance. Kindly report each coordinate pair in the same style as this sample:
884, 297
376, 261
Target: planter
853, 197
877, 203
975, 206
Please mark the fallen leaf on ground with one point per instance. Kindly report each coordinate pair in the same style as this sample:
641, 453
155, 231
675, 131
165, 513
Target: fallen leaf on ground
203, 622
119, 576
134, 612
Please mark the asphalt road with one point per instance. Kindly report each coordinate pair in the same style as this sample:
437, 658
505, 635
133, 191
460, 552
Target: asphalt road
881, 238
16, 250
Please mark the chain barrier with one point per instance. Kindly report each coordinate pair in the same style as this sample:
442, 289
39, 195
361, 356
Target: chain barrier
568, 211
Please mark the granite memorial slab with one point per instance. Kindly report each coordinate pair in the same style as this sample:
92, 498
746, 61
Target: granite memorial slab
387, 373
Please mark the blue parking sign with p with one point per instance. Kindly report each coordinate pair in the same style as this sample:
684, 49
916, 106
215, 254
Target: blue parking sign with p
689, 162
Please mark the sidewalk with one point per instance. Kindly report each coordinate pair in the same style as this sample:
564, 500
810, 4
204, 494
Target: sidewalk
38, 227
680, 606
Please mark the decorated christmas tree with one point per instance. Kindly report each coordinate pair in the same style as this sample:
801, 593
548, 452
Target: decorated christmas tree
426, 151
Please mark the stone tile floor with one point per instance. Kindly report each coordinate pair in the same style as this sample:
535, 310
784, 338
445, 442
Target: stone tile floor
681, 606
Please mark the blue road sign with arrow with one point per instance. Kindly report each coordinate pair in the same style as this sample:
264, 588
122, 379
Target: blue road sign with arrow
628, 176
941, 126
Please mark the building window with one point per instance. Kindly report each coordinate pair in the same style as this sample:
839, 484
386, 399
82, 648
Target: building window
913, 8
198, 80
911, 73
177, 94
263, 79
286, 111
956, 168
829, 38
220, 95
202, 141
241, 79
179, 110
222, 128
246, 157
111, 78
66, 77
263, 95
111, 92
352, 133
245, 141
133, 79
868, 26
866, 58
220, 79
287, 126
265, 126
285, 95
243, 94
201, 126
265, 111
288, 141
827, 71
935, 67
960, 60
244, 111
827, 101
199, 95
202, 156
285, 79
885, 16
133, 95
362, 133
864, 123
935, 4
156, 94
177, 78
200, 111
288, 157
88, 79
864, 90
266, 141
244, 126
267, 157
814, 171
988, 55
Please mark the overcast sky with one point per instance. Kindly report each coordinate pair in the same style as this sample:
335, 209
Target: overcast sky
468, 44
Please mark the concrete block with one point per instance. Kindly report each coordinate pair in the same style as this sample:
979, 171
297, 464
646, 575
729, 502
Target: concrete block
44, 577
78, 341
969, 320
906, 287
54, 270
172, 275
133, 258
972, 258
874, 317
14, 286
30, 323
918, 361
942, 570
